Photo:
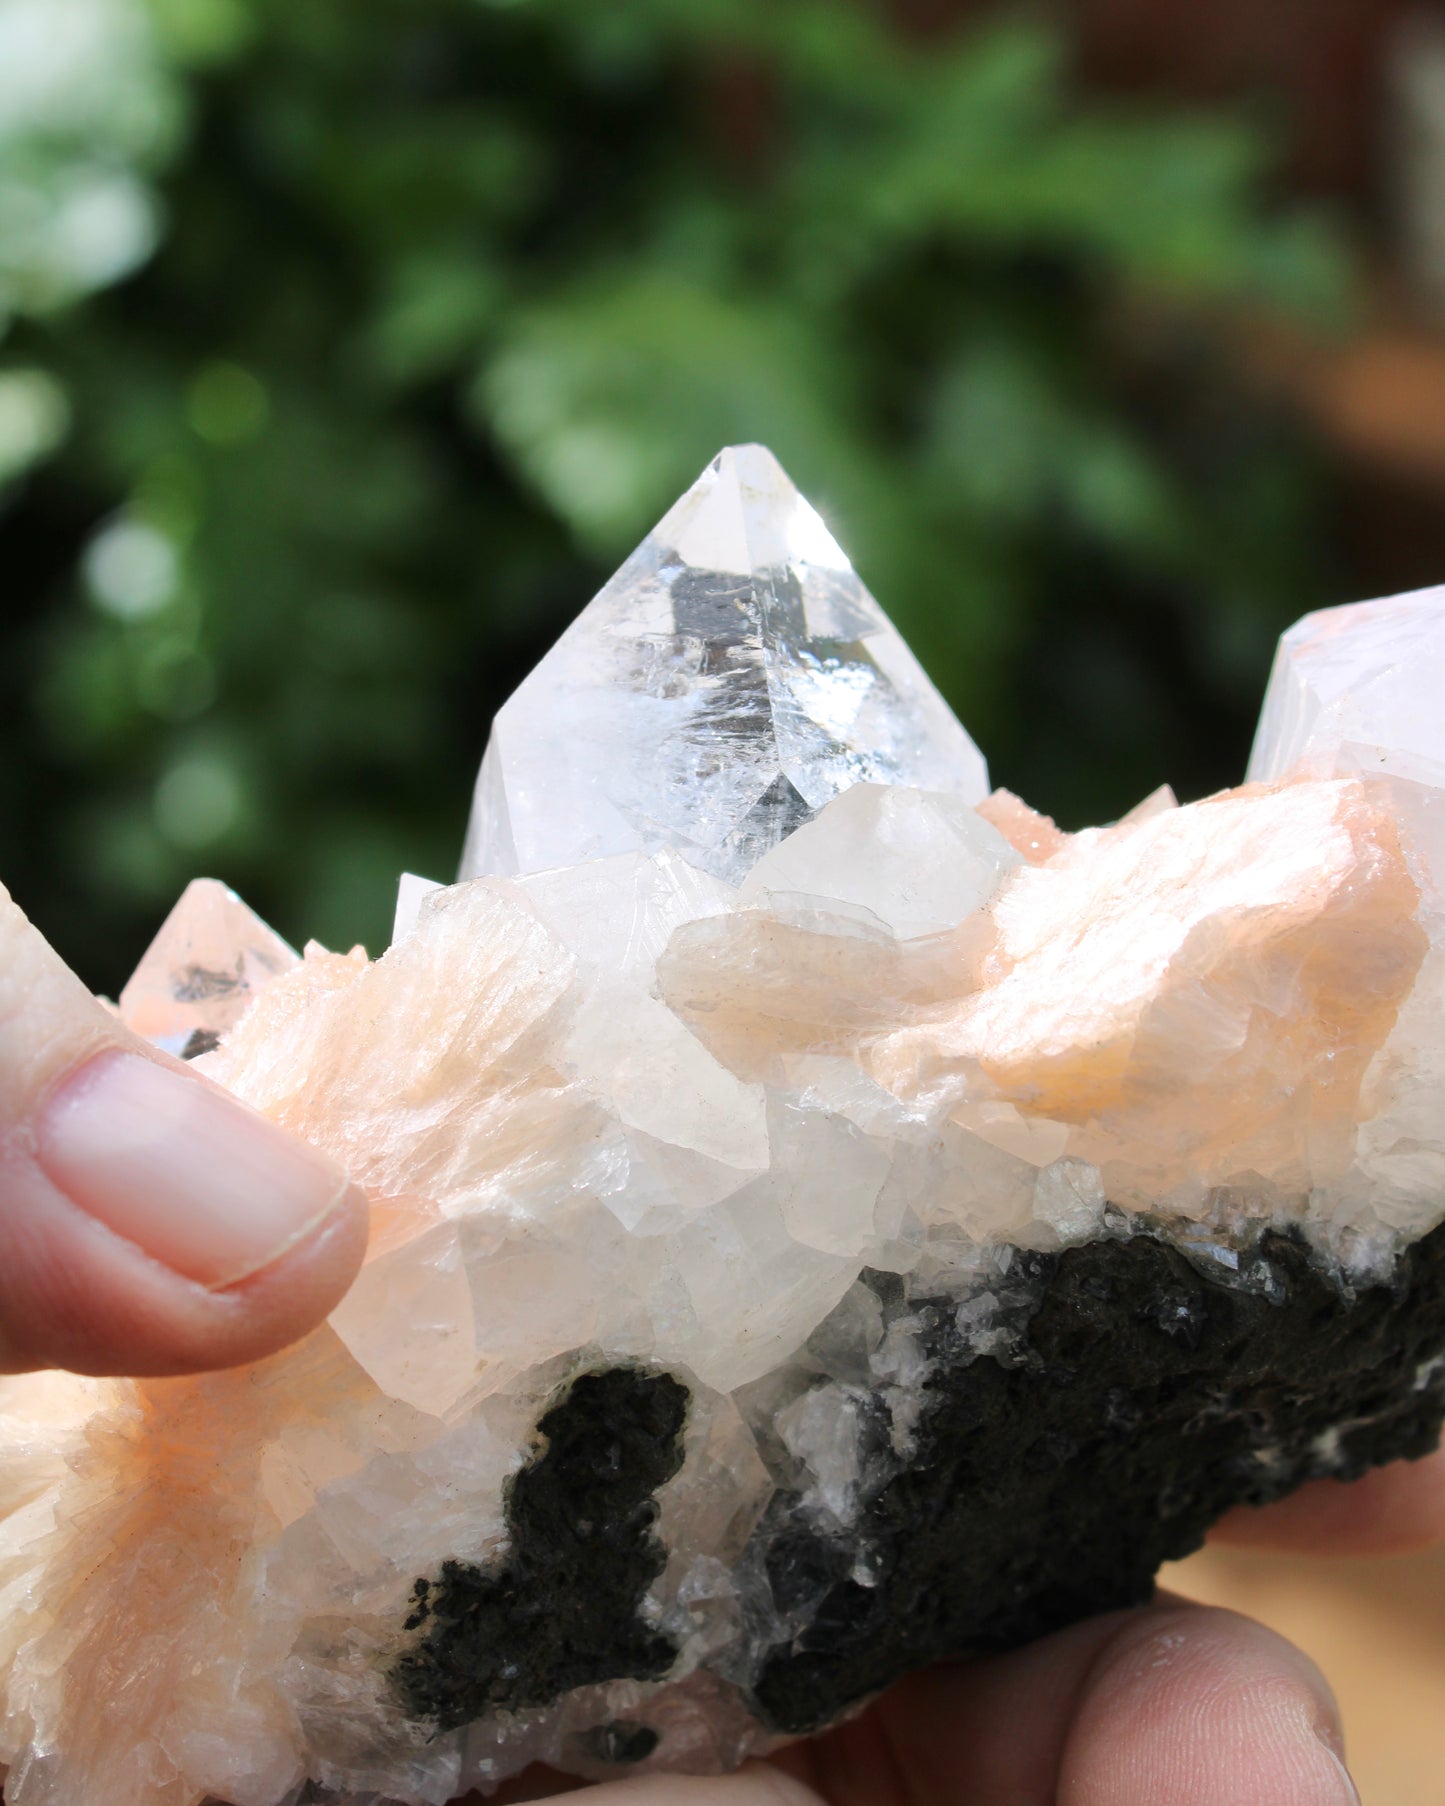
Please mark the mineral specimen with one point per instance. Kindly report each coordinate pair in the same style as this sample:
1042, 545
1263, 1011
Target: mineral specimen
825, 1217
732, 678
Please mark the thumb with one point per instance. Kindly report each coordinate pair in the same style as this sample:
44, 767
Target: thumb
149, 1222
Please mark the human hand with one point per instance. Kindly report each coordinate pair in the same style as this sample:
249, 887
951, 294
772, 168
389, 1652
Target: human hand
1173, 1705
149, 1223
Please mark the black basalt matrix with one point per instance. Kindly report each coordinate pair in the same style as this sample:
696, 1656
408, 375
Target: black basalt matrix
1145, 1400
560, 1609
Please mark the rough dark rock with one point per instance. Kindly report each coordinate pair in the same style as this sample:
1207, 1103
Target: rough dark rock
560, 1610
1138, 1396
1146, 1400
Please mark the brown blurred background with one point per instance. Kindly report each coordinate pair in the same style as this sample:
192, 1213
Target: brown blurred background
1377, 1630
1362, 84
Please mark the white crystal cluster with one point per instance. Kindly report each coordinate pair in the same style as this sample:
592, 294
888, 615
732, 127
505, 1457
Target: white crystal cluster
1356, 694
750, 988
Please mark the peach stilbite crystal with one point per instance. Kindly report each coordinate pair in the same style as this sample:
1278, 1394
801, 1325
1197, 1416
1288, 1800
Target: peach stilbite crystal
1190, 1002
798, 1252
1033, 837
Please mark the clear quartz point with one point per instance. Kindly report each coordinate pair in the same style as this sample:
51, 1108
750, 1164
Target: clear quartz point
211, 959
731, 679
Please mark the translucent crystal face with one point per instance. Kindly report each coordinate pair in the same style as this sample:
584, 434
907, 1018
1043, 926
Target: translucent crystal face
732, 678
1359, 690
211, 959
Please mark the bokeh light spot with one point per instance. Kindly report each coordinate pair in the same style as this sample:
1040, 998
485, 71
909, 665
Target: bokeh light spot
34, 419
198, 801
131, 570
227, 405
105, 227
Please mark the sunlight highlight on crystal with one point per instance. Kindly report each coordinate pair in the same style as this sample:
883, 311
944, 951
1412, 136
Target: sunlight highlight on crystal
732, 678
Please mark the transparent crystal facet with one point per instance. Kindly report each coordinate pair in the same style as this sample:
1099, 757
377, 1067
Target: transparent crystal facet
199, 975
917, 863
732, 678
1358, 691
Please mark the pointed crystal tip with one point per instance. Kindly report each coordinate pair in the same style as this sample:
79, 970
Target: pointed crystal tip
212, 958
1357, 690
731, 679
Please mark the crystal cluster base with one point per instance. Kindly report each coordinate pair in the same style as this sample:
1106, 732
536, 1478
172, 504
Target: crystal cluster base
825, 1217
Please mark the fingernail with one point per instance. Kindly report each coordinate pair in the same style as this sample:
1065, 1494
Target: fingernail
194, 1178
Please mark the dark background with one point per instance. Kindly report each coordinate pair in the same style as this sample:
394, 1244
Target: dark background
346, 347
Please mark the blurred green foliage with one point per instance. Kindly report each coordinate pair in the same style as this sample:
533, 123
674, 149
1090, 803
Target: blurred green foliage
348, 344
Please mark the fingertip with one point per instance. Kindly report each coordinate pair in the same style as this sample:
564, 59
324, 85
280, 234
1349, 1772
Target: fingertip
290, 1296
1198, 1706
1171, 1702
150, 1222
181, 1168
73, 1294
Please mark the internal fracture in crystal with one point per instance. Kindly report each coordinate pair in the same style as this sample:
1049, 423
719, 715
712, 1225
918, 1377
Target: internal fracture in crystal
825, 1217
211, 959
732, 678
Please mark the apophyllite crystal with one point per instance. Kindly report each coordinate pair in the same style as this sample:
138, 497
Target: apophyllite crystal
825, 1217
732, 678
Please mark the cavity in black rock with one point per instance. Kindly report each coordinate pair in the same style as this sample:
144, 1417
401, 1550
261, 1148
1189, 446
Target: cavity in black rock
1144, 1399
561, 1607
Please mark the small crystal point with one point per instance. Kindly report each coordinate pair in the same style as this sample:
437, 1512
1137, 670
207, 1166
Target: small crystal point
198, 977
731, 679
1357, 691
411, 893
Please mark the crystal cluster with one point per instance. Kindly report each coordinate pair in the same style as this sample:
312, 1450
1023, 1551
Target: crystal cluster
825, 1217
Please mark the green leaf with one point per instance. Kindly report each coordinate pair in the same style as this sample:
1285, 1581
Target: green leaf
613, 397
